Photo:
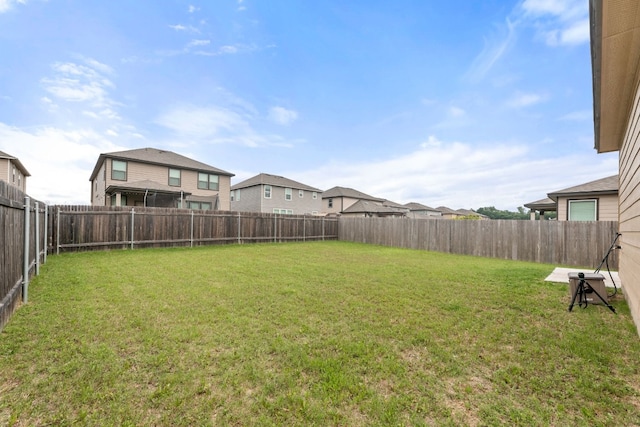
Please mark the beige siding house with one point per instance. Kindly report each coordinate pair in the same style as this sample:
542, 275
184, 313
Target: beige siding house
338, 199
13, 172
594, 201
418, 210
615, 51
158, 178
275, 194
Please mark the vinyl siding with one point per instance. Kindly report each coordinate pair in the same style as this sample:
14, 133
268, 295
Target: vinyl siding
339, 204
629, 194
252, 200
159, 173
6, 174
607, 207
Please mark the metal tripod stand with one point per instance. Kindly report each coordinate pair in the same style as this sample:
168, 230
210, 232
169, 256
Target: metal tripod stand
581, 292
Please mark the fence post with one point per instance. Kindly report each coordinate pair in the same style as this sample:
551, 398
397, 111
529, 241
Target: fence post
322, 228
133, 214
239, 222
37, 230
45, 241
304, 228
275, 228
58, 231
191, 234
25, 270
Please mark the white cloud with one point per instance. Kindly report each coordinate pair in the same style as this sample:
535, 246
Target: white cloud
193, 43
84, 84
59, 161
192, 8
494, 49
559, 22
522, 100
6, 5
216, 125
461, 175
456, 111
282, 116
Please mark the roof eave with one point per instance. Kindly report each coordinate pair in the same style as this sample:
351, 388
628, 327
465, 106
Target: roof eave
615, 54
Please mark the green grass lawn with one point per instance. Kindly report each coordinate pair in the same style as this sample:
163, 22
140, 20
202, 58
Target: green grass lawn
323, 333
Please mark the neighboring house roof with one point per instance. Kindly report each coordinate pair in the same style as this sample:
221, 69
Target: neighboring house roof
545, 204
366, 206
17, 162
395, 205
274, 180
413, 206
157, 157
445, 210
608, 185
350, 193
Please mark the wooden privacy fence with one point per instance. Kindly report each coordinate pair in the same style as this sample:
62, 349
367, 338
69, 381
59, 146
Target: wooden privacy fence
571, 243
90, 227
23, 231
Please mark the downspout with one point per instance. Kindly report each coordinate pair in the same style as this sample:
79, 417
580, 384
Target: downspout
145, 197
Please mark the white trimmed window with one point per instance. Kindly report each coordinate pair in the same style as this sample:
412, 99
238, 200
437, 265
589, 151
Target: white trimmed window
314, 195
174, 177
288, 194
207, 181
583, 210
283, 211
118, 170
301, 193
267, 191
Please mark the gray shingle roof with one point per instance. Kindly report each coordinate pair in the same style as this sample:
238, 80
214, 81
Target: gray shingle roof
17, 162
274, 180
414, 206
545, 204
348, 192
366, 206
608, 185
158, 157
446, 210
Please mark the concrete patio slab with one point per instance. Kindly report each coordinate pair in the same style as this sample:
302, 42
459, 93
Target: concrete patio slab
561, 275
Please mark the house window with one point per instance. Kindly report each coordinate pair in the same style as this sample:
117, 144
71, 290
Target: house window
583, 210
314, 195
14, 175
301, 193
207, 181
118, 170
267, 191
288, 194
123, 200
283, 211
330, 203
205, 206
174, 177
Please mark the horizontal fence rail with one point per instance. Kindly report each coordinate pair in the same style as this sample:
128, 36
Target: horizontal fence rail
572, 243
90, 228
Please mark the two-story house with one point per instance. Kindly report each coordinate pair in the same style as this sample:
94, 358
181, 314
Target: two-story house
158, 178
13, 172
337, 200
275, 194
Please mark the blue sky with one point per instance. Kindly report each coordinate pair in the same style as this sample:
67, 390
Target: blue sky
460, 103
